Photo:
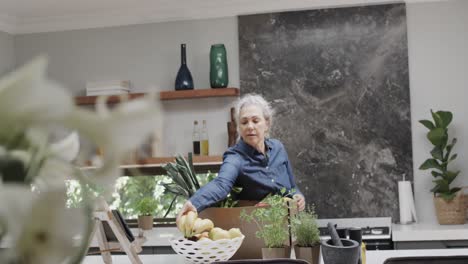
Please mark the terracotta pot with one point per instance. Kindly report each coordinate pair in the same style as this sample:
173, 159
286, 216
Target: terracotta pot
227, 218
145, 222
274, 253
452, 212
310, 254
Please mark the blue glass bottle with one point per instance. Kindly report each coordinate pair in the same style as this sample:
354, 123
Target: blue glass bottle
184, 79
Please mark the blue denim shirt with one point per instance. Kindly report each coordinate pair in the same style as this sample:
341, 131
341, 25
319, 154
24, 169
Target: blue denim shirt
257, 174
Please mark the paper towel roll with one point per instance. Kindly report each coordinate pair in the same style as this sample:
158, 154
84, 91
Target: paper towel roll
406, 202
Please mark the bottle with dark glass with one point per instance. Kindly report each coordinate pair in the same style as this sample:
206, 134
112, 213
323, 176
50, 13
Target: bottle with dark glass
184, 79
196, 138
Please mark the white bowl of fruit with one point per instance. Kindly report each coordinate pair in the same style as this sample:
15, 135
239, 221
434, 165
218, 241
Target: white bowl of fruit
204, 243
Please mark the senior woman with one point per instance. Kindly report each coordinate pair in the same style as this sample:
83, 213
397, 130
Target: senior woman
258, 164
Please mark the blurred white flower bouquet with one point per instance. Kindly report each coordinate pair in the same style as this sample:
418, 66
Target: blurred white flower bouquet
35, 224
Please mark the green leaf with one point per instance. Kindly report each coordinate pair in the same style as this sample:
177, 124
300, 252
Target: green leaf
437, 153
454, 141
437, 119
435, 189
430, 164
436, 173
427, 123
174, 174
189, 172
450, 176
442, 184
192, 169
185, 175
455, 190
438, 137
175, 189
445, 117
454, 156
449, 148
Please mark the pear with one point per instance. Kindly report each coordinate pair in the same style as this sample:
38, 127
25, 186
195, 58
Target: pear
181, 224
235, 232
189, 221
218, 233
202, 225
202, 235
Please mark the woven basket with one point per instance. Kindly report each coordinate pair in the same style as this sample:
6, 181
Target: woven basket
452, 212
206, 251
466, 204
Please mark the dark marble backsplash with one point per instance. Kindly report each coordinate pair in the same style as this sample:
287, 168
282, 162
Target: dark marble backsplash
338, 81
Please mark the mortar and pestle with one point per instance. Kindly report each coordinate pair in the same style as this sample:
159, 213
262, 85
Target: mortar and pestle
339, 250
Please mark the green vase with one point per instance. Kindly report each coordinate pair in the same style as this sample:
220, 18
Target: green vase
218, 66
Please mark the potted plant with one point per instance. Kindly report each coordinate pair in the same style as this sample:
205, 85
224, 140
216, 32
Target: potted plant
185, 182
447, 200
304, 227
272, 226
146, 208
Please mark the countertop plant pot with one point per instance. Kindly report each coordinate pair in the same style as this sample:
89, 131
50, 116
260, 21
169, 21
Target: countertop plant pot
275, 253
310, 254
452, 212
227, 218
145, 222
347, 254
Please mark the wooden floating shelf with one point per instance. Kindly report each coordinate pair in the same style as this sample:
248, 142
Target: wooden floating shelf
154, 166
197, 160
166, 95
199, 93
112, 99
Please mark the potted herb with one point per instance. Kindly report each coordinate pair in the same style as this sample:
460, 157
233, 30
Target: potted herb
447, 200
185, 182
272, 226
146, 208
304, 227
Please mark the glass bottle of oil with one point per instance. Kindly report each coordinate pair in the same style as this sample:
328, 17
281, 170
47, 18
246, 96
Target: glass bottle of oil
196, 138
205, 146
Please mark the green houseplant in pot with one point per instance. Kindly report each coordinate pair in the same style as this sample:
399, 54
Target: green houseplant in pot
447, 200
185, 182
304, 227
146, 208
272, 226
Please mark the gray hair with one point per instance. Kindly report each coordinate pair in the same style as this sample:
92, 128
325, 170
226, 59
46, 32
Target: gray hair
256, 100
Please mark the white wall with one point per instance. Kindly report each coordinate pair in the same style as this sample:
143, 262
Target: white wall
7, 53
148, 55
438, 60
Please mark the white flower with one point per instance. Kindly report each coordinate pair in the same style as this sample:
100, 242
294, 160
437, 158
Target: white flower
40, 227
28, 98
117, 131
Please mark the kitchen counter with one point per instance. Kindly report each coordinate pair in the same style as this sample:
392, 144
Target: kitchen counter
428, 232
157, 237
373, 257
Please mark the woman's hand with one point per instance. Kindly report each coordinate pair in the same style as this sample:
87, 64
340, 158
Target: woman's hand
188, 206
299, 198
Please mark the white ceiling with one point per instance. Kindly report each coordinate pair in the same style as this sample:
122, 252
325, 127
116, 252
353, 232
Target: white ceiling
29, 16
